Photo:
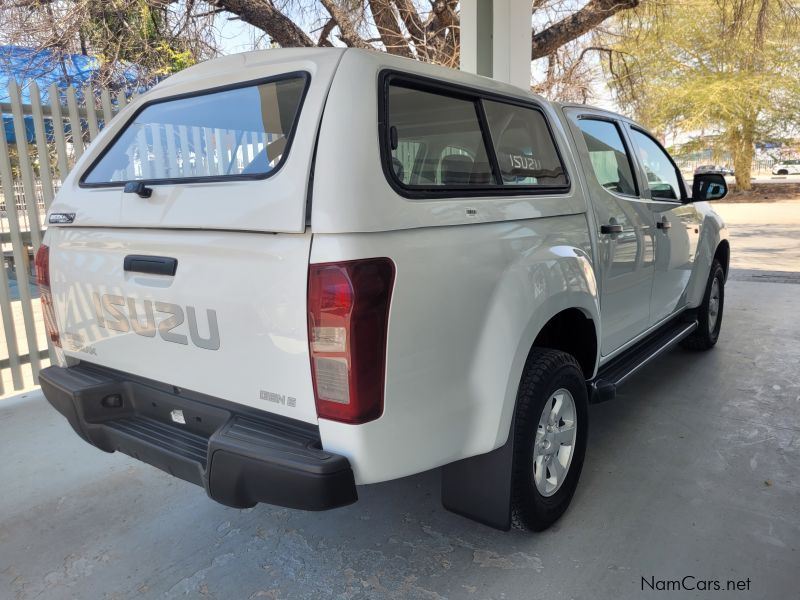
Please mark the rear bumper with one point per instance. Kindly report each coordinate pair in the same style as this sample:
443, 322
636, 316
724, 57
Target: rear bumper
239, 455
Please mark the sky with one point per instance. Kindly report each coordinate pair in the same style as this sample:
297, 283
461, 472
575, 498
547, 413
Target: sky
235, 36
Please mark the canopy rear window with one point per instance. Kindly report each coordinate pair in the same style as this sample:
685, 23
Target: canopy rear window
241, 132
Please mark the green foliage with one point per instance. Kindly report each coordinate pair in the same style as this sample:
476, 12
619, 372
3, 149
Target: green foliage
730, 67
140, 32
173, 60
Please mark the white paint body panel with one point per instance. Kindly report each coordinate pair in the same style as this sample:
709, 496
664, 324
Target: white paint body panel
472, 289
467, 304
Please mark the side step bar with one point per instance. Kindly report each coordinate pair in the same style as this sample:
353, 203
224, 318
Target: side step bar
604, 386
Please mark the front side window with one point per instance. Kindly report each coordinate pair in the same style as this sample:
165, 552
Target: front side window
609, 156
523, 145
437, 122
662, 176
243, 131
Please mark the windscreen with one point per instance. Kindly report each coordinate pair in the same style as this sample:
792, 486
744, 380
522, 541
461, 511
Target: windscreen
243, 131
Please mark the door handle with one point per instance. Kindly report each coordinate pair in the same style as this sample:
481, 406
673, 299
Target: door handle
610, 228
663, 224
153, 265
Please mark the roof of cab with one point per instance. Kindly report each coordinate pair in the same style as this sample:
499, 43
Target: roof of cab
578, 106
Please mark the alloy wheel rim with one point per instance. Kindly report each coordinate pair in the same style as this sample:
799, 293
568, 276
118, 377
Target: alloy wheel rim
713, 305
554, 445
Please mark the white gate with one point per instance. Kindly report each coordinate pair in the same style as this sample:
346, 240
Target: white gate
47, 139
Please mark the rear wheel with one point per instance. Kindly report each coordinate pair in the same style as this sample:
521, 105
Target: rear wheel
709, 313
550, 432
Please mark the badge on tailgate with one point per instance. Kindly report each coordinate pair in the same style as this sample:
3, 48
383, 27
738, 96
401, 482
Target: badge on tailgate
146, 318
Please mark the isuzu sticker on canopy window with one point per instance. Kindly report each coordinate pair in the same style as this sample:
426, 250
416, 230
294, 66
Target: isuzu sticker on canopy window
526, 163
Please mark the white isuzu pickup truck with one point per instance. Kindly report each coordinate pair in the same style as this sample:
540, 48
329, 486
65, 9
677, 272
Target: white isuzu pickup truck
284, 274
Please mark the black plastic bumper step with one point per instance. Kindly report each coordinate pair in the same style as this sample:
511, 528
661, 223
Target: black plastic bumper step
170, 439
240, 455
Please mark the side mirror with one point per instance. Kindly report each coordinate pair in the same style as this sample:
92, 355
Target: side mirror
709, 186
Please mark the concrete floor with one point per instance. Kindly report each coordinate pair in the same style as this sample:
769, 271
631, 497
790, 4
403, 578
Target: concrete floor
693, 470
763, 235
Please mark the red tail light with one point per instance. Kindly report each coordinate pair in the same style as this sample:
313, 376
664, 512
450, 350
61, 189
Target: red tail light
43, 279
348, 316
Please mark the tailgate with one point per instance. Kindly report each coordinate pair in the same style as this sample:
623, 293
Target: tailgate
230, 322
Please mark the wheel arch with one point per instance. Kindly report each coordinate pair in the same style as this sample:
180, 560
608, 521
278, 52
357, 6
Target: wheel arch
723, 255
574, 332
565, 311
465, 483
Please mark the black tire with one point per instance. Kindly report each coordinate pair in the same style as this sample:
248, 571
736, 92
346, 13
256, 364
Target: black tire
546, 372
782, 172
706, 335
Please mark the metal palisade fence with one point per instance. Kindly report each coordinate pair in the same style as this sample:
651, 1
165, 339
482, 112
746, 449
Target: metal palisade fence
39, 144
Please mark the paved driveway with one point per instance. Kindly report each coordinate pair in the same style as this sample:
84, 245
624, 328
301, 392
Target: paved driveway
693, 470
765, 236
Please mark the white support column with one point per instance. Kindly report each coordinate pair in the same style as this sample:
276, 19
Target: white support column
496, 39
476, 36
511, 50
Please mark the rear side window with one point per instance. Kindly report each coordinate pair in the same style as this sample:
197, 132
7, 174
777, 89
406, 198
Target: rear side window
447, 141
439, 123
525, 151
242, 132
611, 162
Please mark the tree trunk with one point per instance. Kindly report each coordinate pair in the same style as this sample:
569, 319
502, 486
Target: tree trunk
389, 29
742, 146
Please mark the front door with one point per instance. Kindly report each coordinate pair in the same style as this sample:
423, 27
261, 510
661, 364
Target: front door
624, 225
677, 226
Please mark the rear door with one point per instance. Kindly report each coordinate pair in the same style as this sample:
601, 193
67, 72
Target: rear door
624, 223
196, 276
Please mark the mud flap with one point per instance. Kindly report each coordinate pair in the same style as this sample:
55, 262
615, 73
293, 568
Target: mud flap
479, 487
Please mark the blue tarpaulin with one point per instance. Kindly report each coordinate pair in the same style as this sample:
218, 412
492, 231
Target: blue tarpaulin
45, 67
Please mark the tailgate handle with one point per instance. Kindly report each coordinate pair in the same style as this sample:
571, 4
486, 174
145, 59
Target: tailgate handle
155, 265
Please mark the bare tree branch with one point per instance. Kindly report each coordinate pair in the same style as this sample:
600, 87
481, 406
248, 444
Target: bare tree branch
411, 19
325, 32
442, 32
264, 15
577, 24
389, 29
164, 36
348, 32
